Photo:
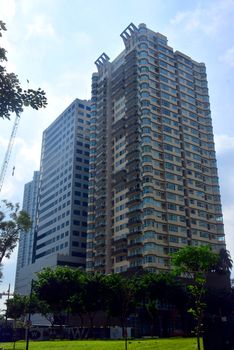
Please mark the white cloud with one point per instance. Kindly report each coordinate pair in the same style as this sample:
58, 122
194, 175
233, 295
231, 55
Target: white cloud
8, 45
59, 94
29, 152
27, 146
189, 18
224, 143
228, 57
8, 269
3, 142
228, 214
81, 39
40, 27
24, 159
9, 64
26, 6
7, 10
77, 82
208, 19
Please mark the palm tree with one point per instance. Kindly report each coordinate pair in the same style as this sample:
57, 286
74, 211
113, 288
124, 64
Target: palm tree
224, 263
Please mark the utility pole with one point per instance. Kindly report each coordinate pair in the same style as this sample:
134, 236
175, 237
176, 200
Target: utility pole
126, 337
8, 297
29, 316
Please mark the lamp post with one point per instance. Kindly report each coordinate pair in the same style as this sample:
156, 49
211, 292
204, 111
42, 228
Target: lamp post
126, 337
29, 316
8, 297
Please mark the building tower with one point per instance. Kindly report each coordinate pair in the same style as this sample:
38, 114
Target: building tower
63, 188
153, 176
62, 205
26, 240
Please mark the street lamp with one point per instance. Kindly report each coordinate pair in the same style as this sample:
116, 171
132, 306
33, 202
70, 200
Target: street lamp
29, 316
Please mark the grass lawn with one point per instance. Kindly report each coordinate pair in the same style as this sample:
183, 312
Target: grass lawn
149, 344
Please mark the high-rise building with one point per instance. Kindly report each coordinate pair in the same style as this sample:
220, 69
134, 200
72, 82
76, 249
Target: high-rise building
63, 188
153, 176
61, 218
26, 240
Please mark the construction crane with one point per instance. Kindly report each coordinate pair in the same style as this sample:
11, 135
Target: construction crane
8, 152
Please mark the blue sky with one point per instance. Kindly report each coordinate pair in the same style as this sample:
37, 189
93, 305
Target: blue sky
54, 43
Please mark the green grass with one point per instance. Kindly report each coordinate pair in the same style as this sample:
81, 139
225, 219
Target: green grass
149, 344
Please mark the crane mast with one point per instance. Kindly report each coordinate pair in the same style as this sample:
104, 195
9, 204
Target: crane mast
8, 152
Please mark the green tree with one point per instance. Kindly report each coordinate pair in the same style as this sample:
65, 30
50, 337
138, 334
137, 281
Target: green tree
224, 263
17, 307
20, 307
154, 289
93, 296
13, 98
194, 263
17, 310
12, 221
121, 297
56, 288
76, 303
90, 297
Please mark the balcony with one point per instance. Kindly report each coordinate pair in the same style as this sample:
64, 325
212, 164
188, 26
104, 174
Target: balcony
134, 200
120, 251
134, 255
119, 176
135, 245
134, 233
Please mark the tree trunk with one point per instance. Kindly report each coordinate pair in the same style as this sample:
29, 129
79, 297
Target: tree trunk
80, 315
198, 342
91, 322
198, 332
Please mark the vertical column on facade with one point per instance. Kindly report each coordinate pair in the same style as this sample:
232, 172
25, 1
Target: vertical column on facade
181, 89
198, 154
175, 224
109, 159
92, 172
119, 242
100, 219
133, 179
214, 221
191, 154
100, 214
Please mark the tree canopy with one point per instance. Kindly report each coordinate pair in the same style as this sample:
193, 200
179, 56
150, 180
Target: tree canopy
13, 98
195, 263
12, 221
224, 263
57, 288
63, 294
18, 306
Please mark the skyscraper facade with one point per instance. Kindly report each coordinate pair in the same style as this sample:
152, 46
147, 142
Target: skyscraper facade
153, 176
25, 251
63, 187
60, 229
